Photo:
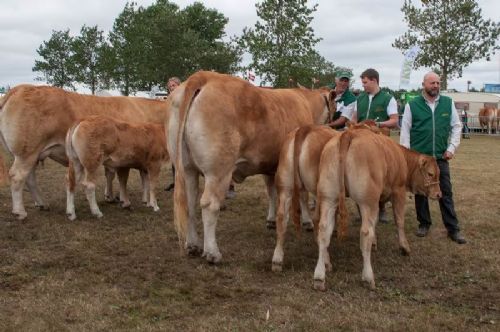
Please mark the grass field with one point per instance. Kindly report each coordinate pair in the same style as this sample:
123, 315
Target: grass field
125, 271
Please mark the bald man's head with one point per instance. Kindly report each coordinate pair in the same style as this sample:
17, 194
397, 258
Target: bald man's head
431, 84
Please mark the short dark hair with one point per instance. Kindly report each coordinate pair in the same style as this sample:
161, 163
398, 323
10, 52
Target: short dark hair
370, 74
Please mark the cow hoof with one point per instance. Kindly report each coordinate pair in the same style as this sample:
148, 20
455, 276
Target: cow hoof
319, 285
126, 206
194, 250
20, 215
271, 224
156, 209
71, 216
99, 215
404, 251
43, 207
277, 267
308, 226
212, 259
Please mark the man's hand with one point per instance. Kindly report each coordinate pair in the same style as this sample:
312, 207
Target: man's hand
447, 155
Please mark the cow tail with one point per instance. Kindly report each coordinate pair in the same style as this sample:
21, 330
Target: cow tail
72, 158
342, 224
181, 215
299, 138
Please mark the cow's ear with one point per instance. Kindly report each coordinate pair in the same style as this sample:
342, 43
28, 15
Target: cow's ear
422, 161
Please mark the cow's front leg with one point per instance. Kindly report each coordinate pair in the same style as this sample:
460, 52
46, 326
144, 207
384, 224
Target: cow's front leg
398, 207
152, 176
272, 198
145, 186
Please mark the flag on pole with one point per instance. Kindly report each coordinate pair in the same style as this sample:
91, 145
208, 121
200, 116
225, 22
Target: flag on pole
410, 56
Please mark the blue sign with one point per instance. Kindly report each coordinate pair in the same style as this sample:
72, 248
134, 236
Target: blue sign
492, 88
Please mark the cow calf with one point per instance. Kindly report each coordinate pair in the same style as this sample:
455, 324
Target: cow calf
100, 140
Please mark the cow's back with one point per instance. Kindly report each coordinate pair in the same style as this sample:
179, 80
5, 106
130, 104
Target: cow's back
251, 122
374, 163
35, 118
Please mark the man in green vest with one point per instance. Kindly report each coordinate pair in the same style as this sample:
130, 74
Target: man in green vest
374, 104
431, 125
346, 101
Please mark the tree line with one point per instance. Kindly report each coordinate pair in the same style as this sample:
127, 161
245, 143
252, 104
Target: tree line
148, 44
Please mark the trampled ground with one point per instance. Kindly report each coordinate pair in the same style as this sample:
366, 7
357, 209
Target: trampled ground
125, 272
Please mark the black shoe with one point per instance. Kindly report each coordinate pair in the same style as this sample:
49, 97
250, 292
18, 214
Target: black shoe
457, 237
422, 231
170, 187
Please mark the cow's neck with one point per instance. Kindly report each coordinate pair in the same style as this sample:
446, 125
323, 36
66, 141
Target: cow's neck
411, 165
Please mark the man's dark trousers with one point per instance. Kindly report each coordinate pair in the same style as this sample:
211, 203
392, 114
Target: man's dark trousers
445, 202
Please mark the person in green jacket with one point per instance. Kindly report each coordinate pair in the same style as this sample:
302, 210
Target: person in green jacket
431, 125
345, 99
374, 104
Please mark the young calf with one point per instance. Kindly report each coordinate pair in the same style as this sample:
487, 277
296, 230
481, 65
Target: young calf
119, 145
296, 176
371, 168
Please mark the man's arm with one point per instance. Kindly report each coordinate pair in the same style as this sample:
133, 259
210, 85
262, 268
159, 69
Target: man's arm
392, 112
404, 138
456, 131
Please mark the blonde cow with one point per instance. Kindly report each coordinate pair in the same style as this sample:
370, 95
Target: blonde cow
101, 140
223, 127
34, 121
488, 119
371, 168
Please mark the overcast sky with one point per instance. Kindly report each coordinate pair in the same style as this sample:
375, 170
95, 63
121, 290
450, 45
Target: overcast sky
356, 34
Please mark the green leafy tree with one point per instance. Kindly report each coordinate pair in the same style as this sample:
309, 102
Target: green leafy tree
282, 44
450, 34
130, 49
88, 49
57, 64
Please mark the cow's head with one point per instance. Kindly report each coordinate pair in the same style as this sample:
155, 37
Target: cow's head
370, 125
330, 102
426, 179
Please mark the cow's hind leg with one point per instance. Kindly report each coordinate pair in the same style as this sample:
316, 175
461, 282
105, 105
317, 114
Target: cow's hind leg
18, 173
398, 207
211, 200
73, 177
282, 219
325, 229
89, 183
369, 215
35, 193
193, 244
305, 215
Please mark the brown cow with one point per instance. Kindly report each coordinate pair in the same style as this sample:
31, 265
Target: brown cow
297, 171
35, 119
224, 127
371, 168
100, 140
488, 119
